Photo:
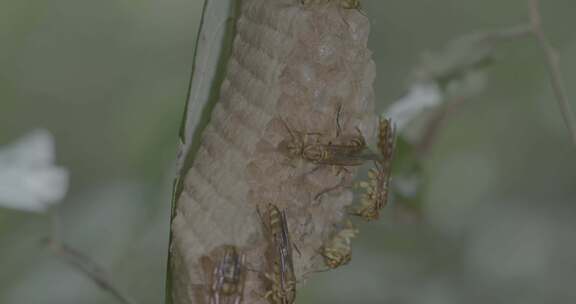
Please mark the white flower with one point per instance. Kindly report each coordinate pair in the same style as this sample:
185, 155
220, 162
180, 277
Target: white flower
420, 97
29, 180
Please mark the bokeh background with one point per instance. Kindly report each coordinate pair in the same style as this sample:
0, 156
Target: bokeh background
108, 78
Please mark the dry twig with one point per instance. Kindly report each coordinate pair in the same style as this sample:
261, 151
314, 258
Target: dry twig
553, 66
81, 262
89, 268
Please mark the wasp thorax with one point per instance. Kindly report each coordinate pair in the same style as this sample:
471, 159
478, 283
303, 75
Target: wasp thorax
231, 268
291, 148
226, 274
313, 153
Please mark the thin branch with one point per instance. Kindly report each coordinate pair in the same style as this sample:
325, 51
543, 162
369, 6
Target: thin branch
511, 33
489, 40
55, 224
89, 268
553, 66
79, 261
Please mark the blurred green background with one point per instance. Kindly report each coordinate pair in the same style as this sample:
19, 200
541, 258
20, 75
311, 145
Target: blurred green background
109, 79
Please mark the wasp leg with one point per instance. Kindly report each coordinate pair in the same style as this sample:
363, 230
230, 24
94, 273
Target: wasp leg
326, 191
297, 250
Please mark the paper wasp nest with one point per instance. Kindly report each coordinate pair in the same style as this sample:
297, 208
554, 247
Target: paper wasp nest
292, 67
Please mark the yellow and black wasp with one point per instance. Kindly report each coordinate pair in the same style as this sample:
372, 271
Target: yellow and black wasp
226, 276
337, 251
376, 189
341, 150
282, 280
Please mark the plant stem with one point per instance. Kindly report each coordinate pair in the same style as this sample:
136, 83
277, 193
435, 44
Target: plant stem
553, 66
79, 261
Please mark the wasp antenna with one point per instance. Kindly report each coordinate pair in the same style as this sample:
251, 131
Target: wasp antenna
261, 218
290, 131
297, 250
307, 274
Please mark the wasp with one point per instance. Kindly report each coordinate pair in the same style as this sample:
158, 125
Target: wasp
282, 279
338, 251
386, 140
336, 154
346, 4
342, 4
339, 151
375, 194
226, 276
376, 189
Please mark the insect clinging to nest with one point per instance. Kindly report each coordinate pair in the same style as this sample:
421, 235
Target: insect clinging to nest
282, 280
346, 4
375, 194
345, 154
338, 251
376, 189
226, 276
343, 4
350, 150
386, 140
